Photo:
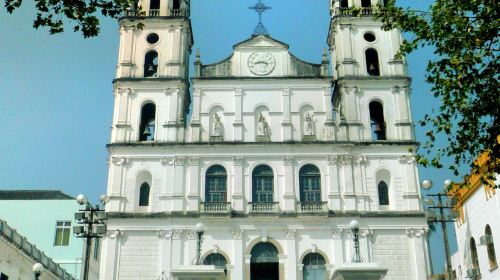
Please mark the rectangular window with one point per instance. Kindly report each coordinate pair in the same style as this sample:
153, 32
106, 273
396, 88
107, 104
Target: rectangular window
63, 231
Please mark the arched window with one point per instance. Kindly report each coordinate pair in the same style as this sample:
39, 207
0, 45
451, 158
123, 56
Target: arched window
216, 185
310, 184
383, 193
314, 267
344, 3
366, 3
490, 247
147, 127
176, 5
151, 64
154, 4
263, 184
372, 65
377, 121
473, 255
217, 260
264, 262
144, 194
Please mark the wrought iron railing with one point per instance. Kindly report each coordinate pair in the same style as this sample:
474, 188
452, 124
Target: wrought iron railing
312, 207
264, 207
215, 207
31, 251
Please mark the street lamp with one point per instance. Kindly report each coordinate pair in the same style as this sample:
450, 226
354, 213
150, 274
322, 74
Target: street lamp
37, 270
91, 225
354, 225
200, 230
442, 218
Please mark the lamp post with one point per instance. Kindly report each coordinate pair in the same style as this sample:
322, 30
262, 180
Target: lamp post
200, 230
354, 225
91, 225
37, 270
442, 218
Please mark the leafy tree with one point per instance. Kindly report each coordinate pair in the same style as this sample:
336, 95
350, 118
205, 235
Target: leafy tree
83, 14
464, 75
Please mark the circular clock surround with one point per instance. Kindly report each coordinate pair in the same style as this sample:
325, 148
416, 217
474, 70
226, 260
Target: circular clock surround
261, 63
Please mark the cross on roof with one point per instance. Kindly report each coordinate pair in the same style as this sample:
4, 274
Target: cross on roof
260, 8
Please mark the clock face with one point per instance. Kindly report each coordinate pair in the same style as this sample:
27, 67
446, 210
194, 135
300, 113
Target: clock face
261, 63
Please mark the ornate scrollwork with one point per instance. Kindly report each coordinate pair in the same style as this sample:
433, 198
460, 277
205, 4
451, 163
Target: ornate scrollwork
291, 234
237, 234
118, 161
177, 234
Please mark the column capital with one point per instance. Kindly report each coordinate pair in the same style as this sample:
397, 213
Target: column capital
167, 161
177, 234
164, 234
406, 159
116, 234
179, 161
285, 91
119, 161
238, 234
197, 92
238, 91
291, 234
194, 161
238, 160
287, 160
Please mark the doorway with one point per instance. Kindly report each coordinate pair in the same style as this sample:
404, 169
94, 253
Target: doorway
264, 263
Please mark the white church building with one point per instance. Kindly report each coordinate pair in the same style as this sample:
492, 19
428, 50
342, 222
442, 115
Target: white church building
276, 158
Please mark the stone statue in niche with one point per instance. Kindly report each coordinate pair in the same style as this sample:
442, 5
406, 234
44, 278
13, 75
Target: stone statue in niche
217, 126
262, 126
308, 125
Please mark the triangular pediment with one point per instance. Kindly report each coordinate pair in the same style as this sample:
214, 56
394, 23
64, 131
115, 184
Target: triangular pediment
261, 41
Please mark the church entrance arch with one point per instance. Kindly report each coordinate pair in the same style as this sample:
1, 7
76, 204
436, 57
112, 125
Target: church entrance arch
264, 262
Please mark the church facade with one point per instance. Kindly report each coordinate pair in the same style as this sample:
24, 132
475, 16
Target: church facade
276, 157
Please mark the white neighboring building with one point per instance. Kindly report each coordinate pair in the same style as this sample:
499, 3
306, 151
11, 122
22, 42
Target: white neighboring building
276, 160
477, 231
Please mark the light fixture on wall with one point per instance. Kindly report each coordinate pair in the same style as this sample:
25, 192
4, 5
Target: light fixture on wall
37, 270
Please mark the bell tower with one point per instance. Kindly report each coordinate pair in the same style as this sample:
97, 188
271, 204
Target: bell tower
372, 85
152, 83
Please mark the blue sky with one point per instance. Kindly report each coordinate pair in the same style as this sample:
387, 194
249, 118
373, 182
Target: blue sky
56, 96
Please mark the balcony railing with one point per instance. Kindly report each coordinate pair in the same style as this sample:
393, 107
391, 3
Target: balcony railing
178, 13
215, 207
347, 12
264, 207
312, 207
31, 251
154, 12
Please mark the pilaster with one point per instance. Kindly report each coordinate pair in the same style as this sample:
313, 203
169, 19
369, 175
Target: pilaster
238, 199
194, 186
289, 195
334, 194
178, 194
238, 119
238, 272
195, 117
291, 254
286, 123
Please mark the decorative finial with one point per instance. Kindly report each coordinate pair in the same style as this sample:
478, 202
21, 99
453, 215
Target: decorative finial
260, 8
198, 59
